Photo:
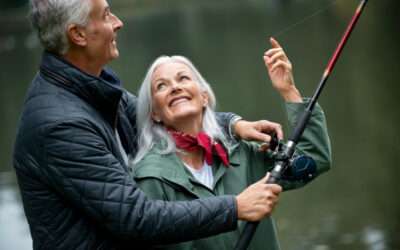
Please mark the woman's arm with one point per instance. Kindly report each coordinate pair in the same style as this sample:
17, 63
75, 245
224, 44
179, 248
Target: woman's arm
314, 142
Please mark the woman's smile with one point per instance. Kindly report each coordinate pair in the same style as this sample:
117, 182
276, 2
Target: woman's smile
177, 96
179, 100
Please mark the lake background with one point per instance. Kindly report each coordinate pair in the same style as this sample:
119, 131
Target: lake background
356, 205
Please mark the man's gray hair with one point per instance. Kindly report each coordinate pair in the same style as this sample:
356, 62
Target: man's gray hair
151, 132
51, 18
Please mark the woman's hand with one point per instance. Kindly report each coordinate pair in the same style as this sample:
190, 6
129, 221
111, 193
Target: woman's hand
280, 71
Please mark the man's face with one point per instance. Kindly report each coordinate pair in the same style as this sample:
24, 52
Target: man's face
101, 33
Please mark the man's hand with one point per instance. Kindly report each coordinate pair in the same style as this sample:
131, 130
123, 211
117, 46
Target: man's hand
258, 200
258, 130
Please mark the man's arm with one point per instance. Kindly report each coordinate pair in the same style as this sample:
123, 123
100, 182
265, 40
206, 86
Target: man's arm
78, 164
80, 167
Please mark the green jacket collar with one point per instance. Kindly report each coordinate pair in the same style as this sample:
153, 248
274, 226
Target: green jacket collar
170, 168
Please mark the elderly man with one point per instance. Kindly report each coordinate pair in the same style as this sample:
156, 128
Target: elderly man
76, 133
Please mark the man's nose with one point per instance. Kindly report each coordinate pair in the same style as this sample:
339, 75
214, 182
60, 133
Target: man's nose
118, 24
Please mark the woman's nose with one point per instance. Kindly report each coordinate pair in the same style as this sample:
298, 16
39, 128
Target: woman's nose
175, 87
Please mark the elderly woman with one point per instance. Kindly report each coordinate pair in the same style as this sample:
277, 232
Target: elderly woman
178, 128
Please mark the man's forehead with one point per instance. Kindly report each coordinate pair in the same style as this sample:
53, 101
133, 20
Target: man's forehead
99, 5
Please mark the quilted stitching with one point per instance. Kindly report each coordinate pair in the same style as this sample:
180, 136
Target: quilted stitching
77, 193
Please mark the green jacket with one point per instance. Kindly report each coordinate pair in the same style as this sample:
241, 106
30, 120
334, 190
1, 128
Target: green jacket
164, 177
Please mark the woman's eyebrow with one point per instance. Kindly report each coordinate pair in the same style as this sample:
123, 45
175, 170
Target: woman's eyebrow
159, 79
182, 72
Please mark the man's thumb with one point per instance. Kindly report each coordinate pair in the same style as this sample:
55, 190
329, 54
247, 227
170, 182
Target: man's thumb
266, 177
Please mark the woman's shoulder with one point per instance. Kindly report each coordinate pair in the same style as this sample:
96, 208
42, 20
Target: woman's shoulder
154, 164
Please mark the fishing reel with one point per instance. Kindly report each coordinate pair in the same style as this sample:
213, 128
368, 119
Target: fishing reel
298, 167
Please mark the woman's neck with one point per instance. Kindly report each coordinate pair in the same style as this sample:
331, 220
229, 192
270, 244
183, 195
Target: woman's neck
194, 159
191, 126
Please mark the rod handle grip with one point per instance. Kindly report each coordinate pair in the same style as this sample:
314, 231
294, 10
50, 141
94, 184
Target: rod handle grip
251, 227
274, 177
246, 235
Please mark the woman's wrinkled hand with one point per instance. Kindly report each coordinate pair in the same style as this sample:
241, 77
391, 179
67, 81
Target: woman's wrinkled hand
280, 71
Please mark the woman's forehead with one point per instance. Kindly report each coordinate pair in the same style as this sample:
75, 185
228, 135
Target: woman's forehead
170, 69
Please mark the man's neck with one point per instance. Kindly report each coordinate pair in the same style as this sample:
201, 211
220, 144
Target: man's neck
83, 63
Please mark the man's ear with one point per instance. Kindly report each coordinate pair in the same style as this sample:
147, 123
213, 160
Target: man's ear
76, 35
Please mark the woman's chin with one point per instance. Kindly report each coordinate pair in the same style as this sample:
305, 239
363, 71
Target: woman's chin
185, 119
183, 113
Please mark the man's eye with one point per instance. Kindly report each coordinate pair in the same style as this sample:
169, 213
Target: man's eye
107, 14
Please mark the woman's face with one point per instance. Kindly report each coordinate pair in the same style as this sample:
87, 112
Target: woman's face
176, 95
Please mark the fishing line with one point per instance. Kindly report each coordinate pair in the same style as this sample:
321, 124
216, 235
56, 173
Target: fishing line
305, 19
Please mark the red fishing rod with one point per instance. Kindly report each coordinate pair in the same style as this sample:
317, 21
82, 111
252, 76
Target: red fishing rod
287, 150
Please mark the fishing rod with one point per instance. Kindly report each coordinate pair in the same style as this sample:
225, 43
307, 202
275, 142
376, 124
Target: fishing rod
286, 152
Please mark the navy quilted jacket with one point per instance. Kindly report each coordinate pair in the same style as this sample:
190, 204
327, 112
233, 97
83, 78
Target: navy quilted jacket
76, 189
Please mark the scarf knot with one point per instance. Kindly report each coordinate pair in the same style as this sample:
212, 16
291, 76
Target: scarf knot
201, 141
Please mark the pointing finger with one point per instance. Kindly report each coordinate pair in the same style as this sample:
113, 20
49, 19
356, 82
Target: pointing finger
274, 43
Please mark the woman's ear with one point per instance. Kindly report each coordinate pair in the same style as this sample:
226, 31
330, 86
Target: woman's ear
76, 35
155, 117
205, 98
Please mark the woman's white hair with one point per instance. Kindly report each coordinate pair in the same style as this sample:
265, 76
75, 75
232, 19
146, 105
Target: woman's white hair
51, 18
151, 132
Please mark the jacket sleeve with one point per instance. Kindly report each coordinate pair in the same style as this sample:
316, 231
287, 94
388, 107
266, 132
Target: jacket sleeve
78, 165
226, 121
314, 141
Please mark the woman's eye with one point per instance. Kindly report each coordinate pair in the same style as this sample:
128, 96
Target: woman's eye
184, 77
161, 86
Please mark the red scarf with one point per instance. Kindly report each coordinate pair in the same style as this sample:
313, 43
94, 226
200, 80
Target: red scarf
201, 141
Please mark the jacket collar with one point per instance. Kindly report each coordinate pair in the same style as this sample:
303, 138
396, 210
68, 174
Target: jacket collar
175, 173
103, 93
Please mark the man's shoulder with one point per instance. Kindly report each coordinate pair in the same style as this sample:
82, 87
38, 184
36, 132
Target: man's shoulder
47, 103
46, 107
